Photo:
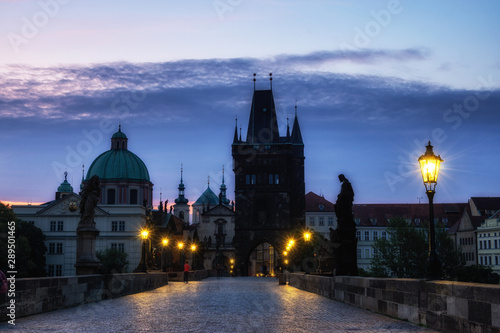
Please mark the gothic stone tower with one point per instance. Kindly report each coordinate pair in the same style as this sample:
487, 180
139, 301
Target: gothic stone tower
269, 181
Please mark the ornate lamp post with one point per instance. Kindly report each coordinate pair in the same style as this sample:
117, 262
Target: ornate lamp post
193, 251
180, 246
429, 166
144, 236
164, 243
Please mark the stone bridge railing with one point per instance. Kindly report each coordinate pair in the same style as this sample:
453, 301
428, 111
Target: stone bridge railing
37, 295
442, 305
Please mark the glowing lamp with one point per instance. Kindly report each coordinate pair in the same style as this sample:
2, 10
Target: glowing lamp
164, 241
180, 245
429, 166
307, 236
144, 234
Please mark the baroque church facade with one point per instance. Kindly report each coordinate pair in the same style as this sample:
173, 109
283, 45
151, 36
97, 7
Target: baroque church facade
126, 191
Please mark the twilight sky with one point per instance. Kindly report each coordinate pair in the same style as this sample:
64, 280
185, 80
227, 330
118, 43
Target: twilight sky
373, 81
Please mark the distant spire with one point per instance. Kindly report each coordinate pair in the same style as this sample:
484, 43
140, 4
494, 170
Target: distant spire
296, 134
181, 172
223, 188
119, 127
271, 80
236, 131
223, 174
240, 132
254, 79
180, 199
208, 181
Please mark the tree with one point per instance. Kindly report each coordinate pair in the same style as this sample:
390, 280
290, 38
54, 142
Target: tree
403, 254
30, 246
477, 274
113, 261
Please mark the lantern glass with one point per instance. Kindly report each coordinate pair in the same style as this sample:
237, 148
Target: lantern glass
429, 166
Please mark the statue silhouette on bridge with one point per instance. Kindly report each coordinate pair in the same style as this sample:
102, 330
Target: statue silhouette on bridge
344, 238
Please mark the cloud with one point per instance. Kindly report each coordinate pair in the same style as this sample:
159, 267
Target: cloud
199, 89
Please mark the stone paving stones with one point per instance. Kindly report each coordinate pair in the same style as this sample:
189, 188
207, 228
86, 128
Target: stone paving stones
215, 305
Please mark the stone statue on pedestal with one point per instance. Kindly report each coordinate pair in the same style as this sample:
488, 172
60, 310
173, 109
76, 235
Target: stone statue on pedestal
344, 238
86, 260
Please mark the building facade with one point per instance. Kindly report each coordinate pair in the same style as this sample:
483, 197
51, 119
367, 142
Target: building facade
126, 191
488, 242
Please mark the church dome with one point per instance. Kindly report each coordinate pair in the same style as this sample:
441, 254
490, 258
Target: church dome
65, 187
208, 197
118, 164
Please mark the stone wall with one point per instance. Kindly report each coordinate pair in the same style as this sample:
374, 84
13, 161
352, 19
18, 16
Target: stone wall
442, 305
37, 295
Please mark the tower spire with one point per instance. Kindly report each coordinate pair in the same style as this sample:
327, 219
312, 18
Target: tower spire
296, 134
271, 80
254, 79
180, 199
236, 130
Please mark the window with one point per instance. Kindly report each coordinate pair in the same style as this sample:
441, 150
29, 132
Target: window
118, 246
274, 178
60, 225
358, 235
52, 225
111, 194
59, 248
133, 197
367, 253
481, 260
321, 207
496, 260
375, 235
489, 243
489, 260
330, 220
357, 220
55, 270
496, 244
117, 225
52, 248
367, 235
384, 234
480, 245
358, 253
417, 222
311, 221
321, 221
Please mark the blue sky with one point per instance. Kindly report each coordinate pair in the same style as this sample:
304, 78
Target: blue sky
373, 80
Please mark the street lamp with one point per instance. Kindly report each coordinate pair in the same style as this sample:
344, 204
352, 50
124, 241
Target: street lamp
193, 250
307, 236
429, 166
180, 246
144, 236
164, 242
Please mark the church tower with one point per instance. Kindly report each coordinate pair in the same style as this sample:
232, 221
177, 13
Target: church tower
181, 207
269, 180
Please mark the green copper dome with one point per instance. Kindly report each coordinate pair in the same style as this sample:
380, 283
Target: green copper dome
119, 135
65, 187
119, 164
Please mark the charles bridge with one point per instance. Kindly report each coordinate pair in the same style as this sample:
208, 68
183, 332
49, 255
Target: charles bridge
307, 303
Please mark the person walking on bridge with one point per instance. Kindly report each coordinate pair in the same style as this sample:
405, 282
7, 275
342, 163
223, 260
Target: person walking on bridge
186, 271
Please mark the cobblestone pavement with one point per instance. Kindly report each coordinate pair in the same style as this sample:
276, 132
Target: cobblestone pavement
215, 305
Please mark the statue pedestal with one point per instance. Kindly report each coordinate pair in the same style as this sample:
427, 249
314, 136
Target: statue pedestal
86, 260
